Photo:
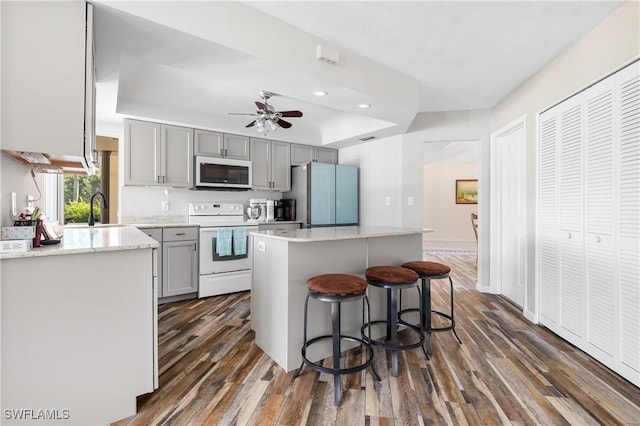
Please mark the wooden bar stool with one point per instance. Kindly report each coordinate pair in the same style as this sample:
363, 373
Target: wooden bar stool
335, 289
432, 271
394, 279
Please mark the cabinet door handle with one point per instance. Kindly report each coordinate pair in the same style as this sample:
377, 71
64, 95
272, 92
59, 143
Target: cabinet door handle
159, 181
195, 246
598, 239
181, 233
569, 235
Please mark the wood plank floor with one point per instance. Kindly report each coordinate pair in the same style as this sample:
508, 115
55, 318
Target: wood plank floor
507, 371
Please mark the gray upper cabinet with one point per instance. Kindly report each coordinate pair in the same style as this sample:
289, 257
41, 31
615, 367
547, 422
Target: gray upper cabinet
325, 155
236, 147
271, 165
301, 154
215, 144
208, 143
157, 154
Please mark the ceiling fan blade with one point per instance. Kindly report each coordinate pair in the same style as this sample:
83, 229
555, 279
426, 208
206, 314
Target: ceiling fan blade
239, 113
261, 106
251, 124
291, 113
284, 124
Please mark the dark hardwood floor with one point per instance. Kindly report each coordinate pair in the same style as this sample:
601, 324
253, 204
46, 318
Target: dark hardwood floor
507, 371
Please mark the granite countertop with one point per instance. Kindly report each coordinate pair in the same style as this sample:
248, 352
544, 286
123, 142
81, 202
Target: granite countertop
338, 233
92, 240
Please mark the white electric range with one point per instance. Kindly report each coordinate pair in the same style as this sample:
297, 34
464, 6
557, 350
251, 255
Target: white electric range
222, 270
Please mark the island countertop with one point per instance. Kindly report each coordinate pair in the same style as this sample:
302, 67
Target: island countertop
338, 233
91, 239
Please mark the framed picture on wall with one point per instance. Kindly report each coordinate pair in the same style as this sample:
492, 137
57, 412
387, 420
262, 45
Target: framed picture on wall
466, 191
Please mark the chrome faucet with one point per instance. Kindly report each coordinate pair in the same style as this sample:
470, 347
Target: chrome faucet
92, 219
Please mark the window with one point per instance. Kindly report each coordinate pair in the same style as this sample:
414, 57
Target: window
77, 194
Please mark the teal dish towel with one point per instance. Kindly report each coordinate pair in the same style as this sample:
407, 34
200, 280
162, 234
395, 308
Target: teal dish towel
223, 242
239, 241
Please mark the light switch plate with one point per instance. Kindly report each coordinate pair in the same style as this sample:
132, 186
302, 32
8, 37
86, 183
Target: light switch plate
387, 201
411, 201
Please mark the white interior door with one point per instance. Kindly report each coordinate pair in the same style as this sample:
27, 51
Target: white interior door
508, 251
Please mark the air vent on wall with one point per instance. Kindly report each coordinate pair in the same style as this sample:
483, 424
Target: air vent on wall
327, 54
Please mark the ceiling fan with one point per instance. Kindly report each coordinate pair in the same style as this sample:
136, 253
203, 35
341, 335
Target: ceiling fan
267, 117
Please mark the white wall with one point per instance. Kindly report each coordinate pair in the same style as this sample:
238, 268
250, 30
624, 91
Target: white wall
450, 221
381, 172
611, 44
16, 178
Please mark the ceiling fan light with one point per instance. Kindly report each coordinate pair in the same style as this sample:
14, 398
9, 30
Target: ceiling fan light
320, 93
273, 124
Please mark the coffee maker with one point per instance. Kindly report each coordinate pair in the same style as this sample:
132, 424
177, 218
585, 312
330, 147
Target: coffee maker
285, 210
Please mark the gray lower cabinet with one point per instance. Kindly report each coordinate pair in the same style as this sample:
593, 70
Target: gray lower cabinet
177, 263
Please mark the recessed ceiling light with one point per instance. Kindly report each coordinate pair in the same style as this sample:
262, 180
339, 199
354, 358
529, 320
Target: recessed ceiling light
364, 106
321, 93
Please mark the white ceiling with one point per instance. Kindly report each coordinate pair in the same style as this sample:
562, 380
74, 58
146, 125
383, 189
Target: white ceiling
403, 57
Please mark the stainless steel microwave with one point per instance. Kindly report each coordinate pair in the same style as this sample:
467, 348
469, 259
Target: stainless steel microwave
222, 173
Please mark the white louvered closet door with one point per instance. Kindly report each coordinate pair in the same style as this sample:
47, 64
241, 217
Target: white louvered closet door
589, 221
548, 229
600, 216
628, 229
572, 316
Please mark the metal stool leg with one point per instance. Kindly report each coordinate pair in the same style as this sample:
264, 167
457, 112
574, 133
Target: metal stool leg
453, 321
393, 325
304, 339
366, 298
335, 332
426, 315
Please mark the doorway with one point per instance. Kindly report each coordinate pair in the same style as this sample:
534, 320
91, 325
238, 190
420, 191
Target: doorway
507, 221
444, 163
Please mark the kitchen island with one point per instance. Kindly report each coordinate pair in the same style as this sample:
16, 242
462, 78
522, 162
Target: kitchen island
79, 327
284, 260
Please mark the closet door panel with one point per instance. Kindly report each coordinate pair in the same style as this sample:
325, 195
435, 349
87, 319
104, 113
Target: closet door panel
600, 214
571, 165
572, 311
572, 288
548, 220
628, 86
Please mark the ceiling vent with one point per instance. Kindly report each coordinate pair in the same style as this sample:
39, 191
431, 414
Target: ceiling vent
327, 54
367, 138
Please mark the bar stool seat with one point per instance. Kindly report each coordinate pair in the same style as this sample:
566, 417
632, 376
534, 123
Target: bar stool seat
432, 271
336, 289
394, 279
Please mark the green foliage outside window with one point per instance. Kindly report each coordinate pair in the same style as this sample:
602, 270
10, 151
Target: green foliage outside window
77, 194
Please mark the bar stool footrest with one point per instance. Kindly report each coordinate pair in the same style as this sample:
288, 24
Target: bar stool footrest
396, 347
451, 326
340, 371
